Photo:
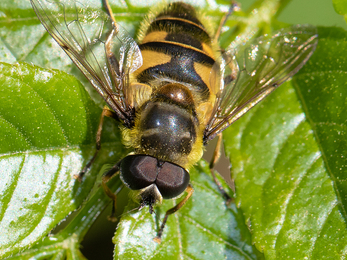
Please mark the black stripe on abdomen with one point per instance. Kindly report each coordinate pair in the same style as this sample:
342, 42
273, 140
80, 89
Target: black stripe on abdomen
181, 66
182, 31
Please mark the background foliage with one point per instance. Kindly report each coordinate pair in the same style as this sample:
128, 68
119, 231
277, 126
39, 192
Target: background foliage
288, 154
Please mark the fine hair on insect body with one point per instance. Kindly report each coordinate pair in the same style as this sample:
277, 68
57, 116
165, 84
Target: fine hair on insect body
173, 89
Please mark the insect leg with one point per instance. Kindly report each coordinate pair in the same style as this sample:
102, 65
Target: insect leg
113, 62
109, 10
105, 112
214, 160
105, 178
190, 191
233, 7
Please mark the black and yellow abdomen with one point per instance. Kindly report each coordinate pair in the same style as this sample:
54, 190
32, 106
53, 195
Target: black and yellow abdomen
175, 46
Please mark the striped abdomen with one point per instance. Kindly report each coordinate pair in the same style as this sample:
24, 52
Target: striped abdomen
176, 48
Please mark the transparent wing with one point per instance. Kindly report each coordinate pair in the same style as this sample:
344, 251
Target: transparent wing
99, 47
247, 75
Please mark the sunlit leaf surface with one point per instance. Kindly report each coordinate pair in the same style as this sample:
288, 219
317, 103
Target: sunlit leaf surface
46, 137
289, 160
288, 155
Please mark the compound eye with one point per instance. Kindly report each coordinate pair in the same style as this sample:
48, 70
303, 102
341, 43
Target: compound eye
138, 171
172, 180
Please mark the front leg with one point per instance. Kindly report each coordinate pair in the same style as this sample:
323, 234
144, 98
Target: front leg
214, 160
105, 178
190, 191
234, 6
105, 112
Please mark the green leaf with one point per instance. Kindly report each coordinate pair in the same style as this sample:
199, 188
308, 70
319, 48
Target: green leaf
324, 100
71, 140
289, 162
315, 12
46, 137
340, 6
66, 243
204, 228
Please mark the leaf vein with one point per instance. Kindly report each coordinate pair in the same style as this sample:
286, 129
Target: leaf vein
17, 130
321, 149
11, 190
8, 47
47, 199
48, 107
322, 226
208, 231
290, 196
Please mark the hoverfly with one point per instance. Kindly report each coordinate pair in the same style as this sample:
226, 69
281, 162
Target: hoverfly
173, 90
